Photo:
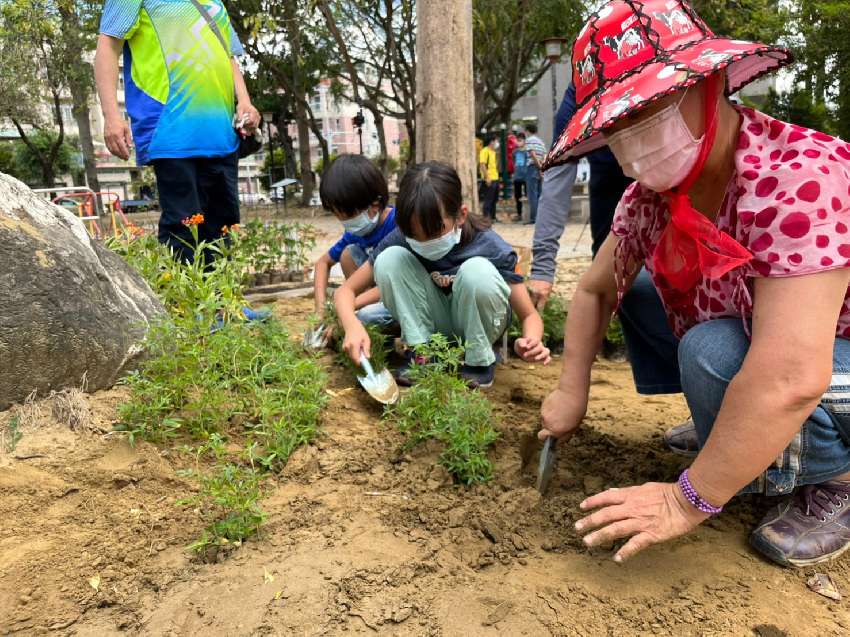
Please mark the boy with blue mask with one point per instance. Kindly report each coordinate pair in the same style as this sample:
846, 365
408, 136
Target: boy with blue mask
355, 191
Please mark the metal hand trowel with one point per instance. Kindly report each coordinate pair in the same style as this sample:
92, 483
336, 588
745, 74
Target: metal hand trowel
317, 338
382, 387
547, 464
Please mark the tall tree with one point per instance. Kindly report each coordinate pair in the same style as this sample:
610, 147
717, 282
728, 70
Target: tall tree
509, 58
32, 81
759, 20
822, 45
281, 37
376, 42
78, 27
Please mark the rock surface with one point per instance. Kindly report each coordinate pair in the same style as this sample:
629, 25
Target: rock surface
71, 311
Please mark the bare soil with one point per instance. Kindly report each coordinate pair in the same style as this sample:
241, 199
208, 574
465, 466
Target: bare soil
365, 539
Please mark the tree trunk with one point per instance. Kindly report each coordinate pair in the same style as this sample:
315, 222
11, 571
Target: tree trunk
307, 184
81, 115
286, 143
445, 104
382, 142
410, 126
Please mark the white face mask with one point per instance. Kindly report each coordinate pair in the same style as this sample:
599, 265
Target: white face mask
436, 249
362, 224
659, 152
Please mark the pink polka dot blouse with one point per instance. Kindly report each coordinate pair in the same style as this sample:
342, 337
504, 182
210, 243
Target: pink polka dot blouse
788, 204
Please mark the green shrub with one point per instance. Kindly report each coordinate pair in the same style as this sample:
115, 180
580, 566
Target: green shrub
248, 381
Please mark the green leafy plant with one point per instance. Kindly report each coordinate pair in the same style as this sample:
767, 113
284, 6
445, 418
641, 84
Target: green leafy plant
229, 497
440, 406
615, 333
246, 381
12, 436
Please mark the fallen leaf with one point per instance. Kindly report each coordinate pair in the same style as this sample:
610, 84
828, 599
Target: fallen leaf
267, 577
823, 585
94, 582
278, 595
331, 393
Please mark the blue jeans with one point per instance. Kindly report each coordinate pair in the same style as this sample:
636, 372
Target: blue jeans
653, 349
375, 314
532, 189
711, 354
703, 364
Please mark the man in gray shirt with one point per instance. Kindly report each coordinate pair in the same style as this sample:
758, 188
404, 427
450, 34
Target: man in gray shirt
553, 209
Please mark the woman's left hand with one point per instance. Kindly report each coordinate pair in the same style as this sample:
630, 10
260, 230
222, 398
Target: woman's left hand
532, 350
648, 514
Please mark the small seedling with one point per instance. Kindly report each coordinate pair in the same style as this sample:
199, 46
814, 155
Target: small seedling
442, 407
12, 436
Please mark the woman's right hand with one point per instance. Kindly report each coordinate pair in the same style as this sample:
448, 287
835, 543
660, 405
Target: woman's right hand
562, 413
357, 342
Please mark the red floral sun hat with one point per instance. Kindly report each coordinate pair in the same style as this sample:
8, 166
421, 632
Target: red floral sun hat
631, 53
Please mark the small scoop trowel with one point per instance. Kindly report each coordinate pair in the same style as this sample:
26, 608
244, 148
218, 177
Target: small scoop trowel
316, 338
382, 387
547, 464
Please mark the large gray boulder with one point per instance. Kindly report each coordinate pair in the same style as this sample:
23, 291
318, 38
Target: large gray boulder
69, 309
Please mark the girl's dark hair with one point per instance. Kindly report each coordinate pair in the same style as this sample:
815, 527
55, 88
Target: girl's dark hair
427, 191
351, 184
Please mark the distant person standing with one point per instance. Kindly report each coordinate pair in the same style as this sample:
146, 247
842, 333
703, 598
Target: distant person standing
520, 159
536, 153
489, 168
188, 106
511, 146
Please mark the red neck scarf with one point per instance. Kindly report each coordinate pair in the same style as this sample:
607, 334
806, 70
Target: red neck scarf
691, 247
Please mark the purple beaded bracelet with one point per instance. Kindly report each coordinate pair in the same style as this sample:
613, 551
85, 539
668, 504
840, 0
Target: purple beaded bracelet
693, 497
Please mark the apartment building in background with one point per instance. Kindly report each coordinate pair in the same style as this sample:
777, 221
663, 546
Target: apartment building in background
335, 119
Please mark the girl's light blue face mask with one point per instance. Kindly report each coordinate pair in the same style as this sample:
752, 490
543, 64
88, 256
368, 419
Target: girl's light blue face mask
436, 249
362, 224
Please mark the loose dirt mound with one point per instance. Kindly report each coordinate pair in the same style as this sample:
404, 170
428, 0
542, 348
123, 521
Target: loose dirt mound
363, 538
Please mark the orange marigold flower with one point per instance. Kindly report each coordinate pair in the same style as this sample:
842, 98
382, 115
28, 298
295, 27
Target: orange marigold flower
194, 220
135, 231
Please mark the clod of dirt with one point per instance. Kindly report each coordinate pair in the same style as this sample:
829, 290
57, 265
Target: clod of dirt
401, 614
492, 531
497, 614
593, 484
769, 630
529, 445
518, 542
823, 585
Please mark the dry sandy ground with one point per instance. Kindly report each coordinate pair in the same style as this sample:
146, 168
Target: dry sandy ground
365, 539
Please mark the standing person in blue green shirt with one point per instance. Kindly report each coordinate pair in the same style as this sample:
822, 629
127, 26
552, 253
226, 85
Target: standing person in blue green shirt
188, 106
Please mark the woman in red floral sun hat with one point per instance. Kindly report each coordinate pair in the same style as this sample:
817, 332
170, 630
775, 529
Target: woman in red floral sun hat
739, 224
